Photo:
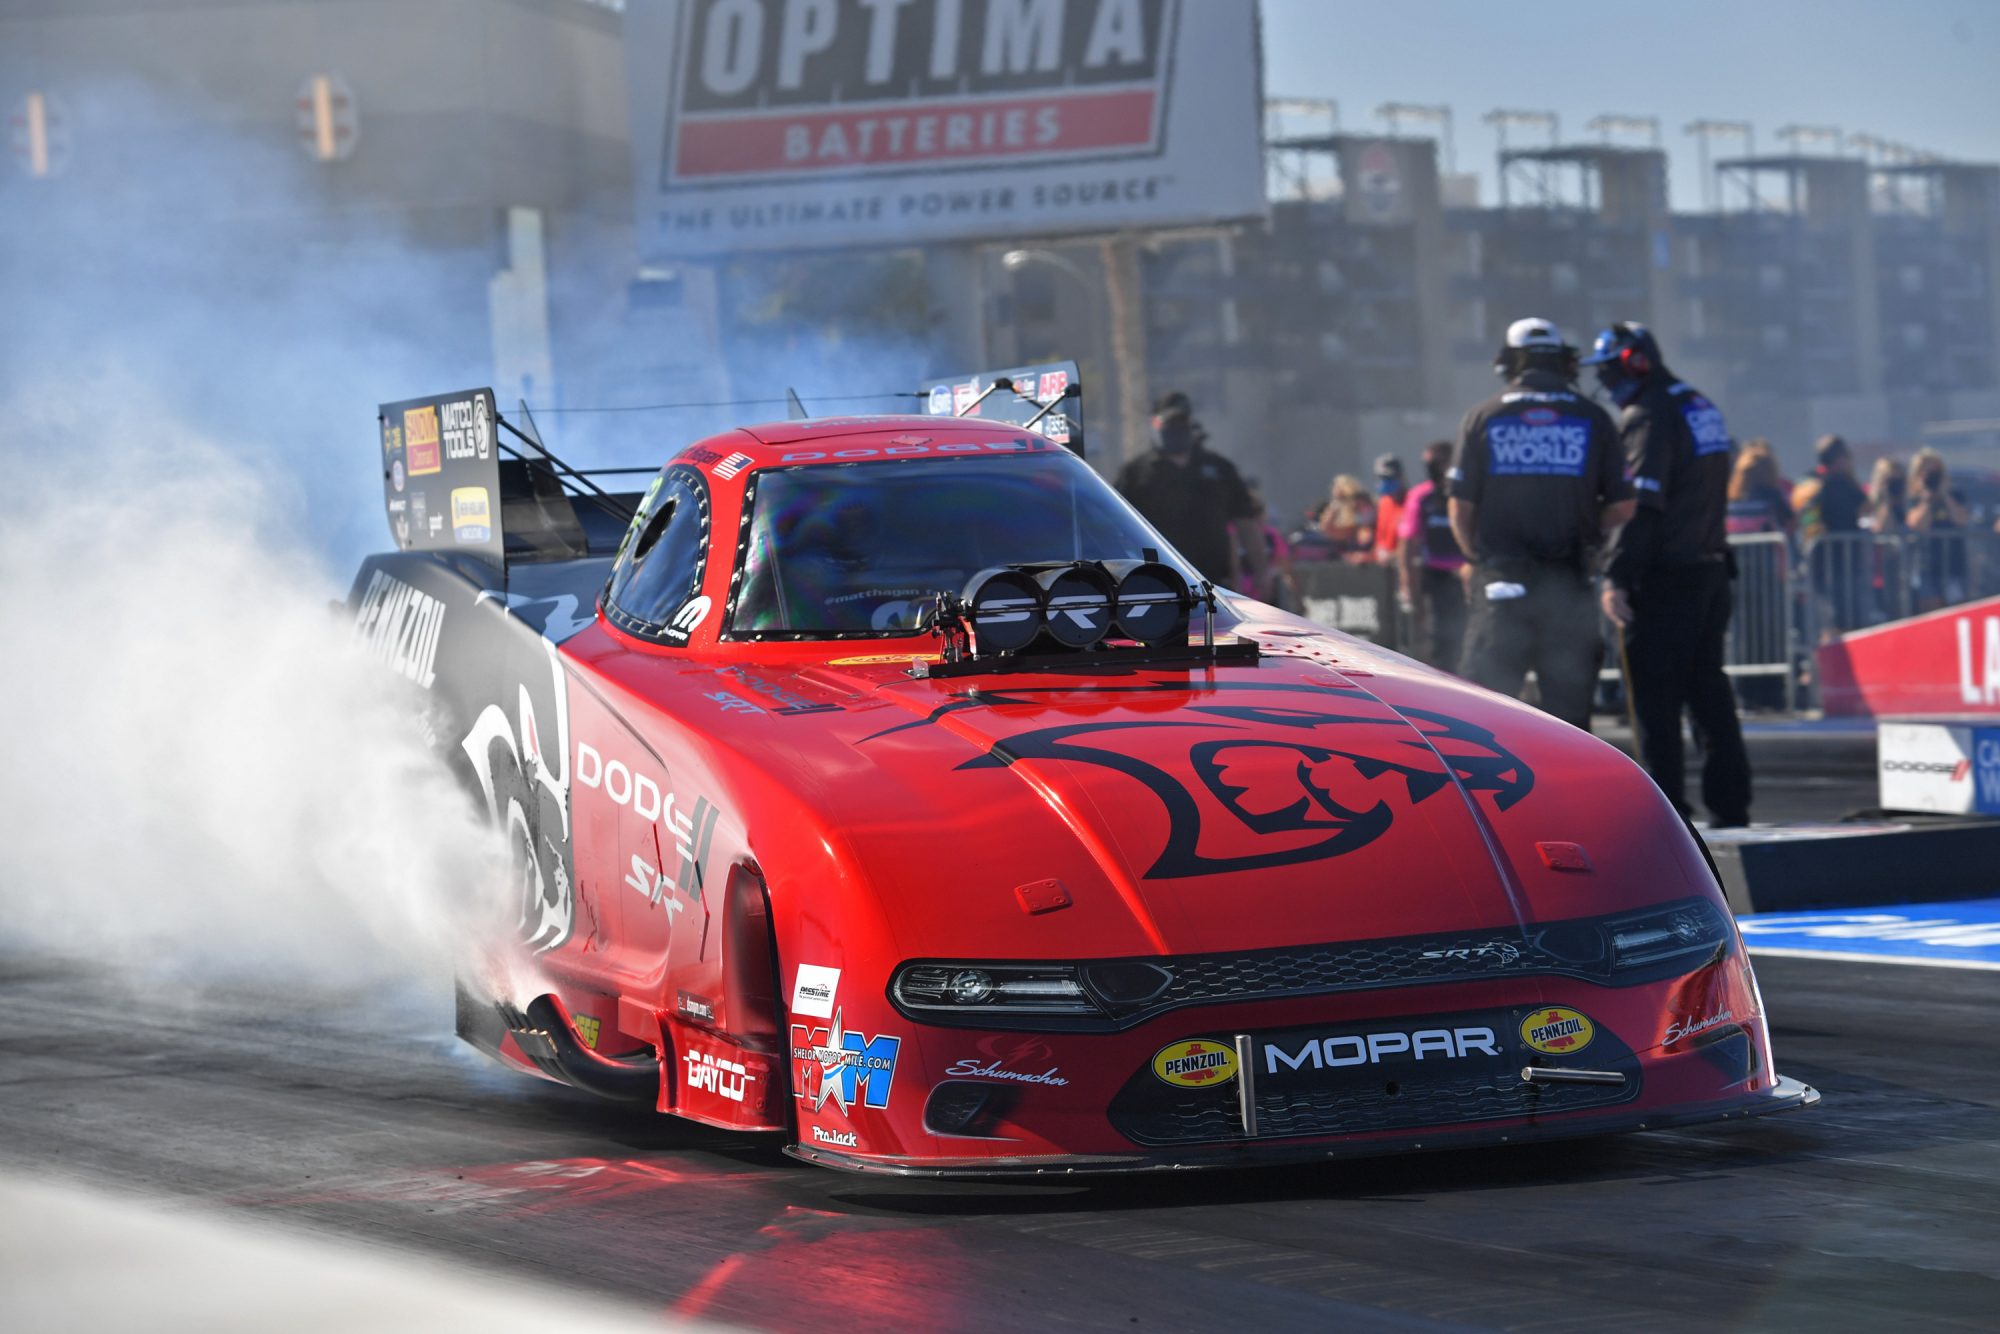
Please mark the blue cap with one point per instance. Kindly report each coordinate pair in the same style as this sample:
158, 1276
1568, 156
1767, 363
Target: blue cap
1616, 339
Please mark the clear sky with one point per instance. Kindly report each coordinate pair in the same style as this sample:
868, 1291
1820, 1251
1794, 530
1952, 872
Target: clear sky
1921, 72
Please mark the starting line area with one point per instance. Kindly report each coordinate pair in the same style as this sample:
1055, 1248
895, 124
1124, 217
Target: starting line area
1961, 934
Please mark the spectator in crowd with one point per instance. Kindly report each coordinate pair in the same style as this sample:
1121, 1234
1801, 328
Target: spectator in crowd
1888, 489
1306, 540
1389, 493
1934, 504
1348, 521
1938, 513
1433, 568
1831, 500
1277, 587
1757, 502
1194, 496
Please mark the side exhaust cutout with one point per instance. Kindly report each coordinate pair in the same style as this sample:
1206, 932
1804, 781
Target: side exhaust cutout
546, 1036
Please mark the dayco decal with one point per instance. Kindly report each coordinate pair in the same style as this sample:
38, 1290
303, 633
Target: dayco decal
1557, 1031
1201, 1063
718, 1075
832, 1063
400, 627
420, 440
840, 1139
1373, 1048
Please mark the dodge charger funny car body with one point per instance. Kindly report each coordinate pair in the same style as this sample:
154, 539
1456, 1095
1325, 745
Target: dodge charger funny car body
888, 784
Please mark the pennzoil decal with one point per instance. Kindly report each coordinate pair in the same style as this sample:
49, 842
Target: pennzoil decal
1200, 1063
1556, 1031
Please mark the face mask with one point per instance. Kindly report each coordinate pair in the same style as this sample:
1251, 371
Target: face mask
1435, 471
1176, 435
1388, 486
1622, 388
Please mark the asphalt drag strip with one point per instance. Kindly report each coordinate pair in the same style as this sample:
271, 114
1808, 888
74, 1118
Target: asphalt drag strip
362, 1120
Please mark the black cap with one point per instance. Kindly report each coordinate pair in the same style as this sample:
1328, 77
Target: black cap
1173, 403
1829, 450
1388, 465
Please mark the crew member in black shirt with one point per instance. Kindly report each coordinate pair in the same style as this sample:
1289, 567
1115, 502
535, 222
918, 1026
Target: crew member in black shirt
1195, 497
1536, 484
1667, 585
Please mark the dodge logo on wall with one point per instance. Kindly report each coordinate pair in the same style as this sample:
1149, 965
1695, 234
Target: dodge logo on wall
777, 89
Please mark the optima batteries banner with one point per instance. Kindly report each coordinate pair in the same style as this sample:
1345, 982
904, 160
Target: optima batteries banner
808, 123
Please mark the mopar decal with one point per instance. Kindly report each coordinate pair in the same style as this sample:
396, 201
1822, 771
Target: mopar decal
1332, 1053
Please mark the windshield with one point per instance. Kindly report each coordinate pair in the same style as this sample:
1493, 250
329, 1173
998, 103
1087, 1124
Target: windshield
850, 548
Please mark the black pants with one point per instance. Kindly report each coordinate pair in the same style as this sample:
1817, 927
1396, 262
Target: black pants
1680, 617
1552, 629
1442, 594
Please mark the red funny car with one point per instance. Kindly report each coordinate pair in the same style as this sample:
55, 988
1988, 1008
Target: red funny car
887, 783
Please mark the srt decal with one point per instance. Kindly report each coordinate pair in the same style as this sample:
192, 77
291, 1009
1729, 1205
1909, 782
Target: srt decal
1556, 1031
719, 1075
530, 800
831, 1063
1202, 1063
790, 704
814, 989
732, 703
1498, 951
1243, 795
1448, 1044
399, 627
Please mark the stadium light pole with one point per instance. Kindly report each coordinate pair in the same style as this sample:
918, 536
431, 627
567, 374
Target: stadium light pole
1706, 130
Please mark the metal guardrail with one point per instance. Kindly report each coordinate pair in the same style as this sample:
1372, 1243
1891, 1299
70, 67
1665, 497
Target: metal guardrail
1763, 625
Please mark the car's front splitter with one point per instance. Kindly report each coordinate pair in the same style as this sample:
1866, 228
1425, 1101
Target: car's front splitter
1783, 1096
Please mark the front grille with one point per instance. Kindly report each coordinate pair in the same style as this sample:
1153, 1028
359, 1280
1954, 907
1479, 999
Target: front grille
1573, 948
1405, 1095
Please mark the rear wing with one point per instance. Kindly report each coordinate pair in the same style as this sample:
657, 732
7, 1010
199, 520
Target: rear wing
451, 484
1046, 398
